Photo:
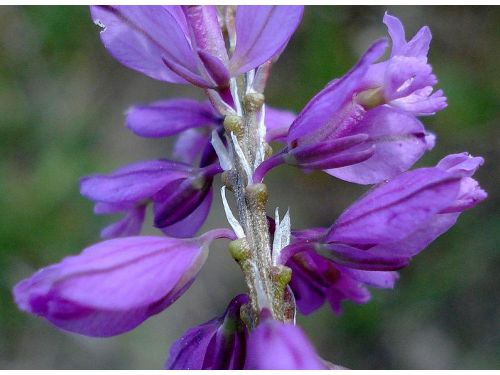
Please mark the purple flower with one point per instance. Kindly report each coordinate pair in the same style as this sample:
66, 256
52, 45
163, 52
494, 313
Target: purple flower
219, 344
398, 219
370, 112
381, 232
181, 196
406, 80
277, 346
316, 279
115, 285
181, 44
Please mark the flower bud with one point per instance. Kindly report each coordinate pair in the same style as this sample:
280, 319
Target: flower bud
219, 344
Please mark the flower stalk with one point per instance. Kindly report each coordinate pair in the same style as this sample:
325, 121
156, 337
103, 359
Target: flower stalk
253, 253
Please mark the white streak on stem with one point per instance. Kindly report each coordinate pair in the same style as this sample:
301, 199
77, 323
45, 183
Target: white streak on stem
282, 234
244, 162
277, 236
259, 157
230, 217
262, 299
250, 78
234, 92
225, 159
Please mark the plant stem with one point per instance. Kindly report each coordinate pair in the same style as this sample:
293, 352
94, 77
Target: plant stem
251, 199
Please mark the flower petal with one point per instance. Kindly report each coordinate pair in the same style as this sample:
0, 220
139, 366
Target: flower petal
418, 46
141, 36
262, 32
129, 225
206, 31
462, 164
133, 183
188, 226
278, 346
278, 122
190, 145
396, 209
168, 117
139, 276
418, 240
177, 201
325, 106
218, 344
399, 139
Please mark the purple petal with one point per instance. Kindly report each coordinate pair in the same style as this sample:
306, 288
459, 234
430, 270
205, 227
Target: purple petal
129, 225
188, 226
177, 201
278, 122
347, 288
278, 346
218, 344
333, 153
133, 183
316, 279
469, 196
261, 33
206, 31
316, 119
188, 353
422, 102
190, 145
405, 75
419, 239
188, 75
396, 31
215, 68
372, 259
168, 117
462, 164
114, 285
396, 209
309, 235
101, 208
378, 279
399, 139
140, 37
307, 283
418, 46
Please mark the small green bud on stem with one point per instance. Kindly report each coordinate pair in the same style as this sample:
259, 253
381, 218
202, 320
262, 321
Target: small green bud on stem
253, 101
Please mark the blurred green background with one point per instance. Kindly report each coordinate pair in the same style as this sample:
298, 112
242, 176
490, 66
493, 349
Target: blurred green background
62, 99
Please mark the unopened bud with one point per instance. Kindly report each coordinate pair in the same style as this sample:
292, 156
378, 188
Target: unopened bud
253, 101
257, 194
233, 124
281, 275
239, 250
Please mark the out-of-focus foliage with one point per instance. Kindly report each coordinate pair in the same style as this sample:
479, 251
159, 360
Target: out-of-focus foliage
62, 100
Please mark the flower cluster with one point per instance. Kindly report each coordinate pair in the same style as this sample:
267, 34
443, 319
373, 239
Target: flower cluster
363, 128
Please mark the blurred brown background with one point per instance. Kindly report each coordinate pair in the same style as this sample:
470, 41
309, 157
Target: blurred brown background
62, 99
